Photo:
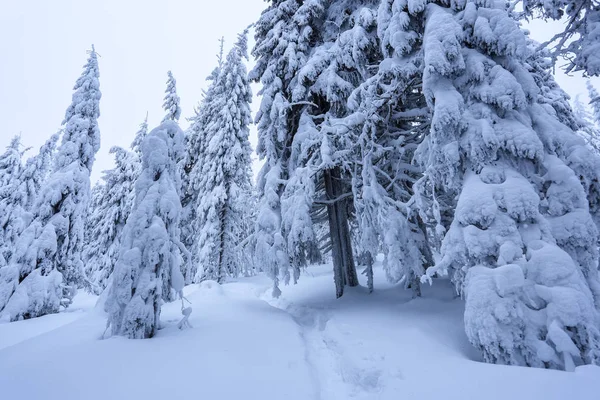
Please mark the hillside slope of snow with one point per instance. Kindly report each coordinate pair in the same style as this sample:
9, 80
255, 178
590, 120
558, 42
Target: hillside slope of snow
246, 345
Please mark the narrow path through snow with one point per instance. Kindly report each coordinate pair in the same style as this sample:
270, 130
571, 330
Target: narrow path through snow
335, 375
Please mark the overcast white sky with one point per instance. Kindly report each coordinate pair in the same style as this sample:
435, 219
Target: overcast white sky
43, 46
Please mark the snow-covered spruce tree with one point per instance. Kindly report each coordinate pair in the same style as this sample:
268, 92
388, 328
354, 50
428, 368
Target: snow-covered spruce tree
223, 170
579, 42
171, 101
522, 247
310, 56
147, 272
18, 193
11, 199
46, 266
595, 102
195, 140
36, 170
110, 207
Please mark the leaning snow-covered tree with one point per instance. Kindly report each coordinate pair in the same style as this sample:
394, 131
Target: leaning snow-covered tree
45, 268
110, 207
171, 101
223, 170
522, 245
148, 270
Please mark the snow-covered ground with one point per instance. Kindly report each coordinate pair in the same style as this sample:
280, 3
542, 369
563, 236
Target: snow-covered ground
246, 345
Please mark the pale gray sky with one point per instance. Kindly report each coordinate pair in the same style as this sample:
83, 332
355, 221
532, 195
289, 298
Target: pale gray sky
43, 46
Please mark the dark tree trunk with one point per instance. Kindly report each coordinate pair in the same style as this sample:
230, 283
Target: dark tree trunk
344, 270
336, 249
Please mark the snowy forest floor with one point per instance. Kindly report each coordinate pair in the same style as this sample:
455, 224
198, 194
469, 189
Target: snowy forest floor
246, 345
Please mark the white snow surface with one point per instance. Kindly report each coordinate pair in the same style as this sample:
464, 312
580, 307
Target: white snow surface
246, 345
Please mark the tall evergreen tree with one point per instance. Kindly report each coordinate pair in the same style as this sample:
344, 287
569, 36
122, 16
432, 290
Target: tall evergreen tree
196, 140
171, 102
148, 272
46, 266
223, 169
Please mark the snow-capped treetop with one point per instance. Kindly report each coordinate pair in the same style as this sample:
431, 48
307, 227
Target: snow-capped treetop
595, 102
10, 167
81, 137
587, 129
139, 136
579, 42
215, 72
171, 101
